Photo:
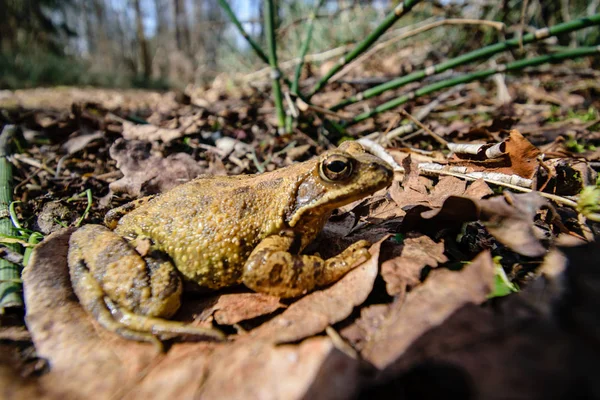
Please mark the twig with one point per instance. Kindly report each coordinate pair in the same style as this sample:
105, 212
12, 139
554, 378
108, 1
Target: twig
434, 135
522, 24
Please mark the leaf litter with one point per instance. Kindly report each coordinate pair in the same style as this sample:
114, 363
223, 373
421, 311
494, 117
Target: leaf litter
416, 314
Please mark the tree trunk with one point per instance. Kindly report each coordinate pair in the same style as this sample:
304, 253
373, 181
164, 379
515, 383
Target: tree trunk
182, 29
142, 42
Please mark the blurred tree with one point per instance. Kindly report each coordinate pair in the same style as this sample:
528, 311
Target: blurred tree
142, 42
182, 29
34, 24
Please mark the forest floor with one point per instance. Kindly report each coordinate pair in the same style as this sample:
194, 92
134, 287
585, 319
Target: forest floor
475, 287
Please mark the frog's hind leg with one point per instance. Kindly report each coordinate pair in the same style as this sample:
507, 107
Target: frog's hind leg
91, 297
126, 293
272, 269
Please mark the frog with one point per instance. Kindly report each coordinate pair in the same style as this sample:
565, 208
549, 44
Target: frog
218, 232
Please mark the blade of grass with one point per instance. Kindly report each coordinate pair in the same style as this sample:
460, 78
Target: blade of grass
10, 274
478, 75
398, 12
484, 52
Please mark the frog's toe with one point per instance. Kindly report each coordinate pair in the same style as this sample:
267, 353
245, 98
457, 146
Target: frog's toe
163, 328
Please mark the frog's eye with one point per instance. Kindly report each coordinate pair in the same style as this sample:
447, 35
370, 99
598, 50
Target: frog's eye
335, 168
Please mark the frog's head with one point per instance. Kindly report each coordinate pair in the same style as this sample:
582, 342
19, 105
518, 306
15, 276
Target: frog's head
336, 178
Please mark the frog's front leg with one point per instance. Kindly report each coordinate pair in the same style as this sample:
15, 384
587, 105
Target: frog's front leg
272, 269
126, 293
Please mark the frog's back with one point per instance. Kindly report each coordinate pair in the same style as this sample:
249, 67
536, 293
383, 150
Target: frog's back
209, 226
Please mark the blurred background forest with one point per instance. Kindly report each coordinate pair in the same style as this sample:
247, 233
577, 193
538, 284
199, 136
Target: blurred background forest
164, 44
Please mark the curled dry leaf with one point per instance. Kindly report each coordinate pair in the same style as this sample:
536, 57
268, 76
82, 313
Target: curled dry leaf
509, 219
520, 157
147, 173
404, 271
314, 312
427, 306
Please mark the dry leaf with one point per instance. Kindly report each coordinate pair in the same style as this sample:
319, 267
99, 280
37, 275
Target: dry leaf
427, 306
230, 309
416, 252
260, 370
509, 219
146, 173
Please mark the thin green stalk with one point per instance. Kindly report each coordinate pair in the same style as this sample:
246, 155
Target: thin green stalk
399, 11
10, 274
484, 52
257, 49
275, 73
305, 46
234, 19
513, 66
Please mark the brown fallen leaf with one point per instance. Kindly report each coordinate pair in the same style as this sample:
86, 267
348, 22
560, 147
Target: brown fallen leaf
416, 252
146, 173
447, 186
427, 306
314, 312
229, 309
315, 369
364, 328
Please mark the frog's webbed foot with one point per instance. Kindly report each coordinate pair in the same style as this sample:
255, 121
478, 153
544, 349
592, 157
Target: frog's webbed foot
273, 270
126, 293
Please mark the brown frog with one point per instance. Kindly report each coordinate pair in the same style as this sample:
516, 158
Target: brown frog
218, 232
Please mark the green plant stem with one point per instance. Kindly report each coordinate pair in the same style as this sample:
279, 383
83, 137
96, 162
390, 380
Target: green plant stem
305, 46
478, 75
234, 19
472, 56
399, 11
257, 49
275, 73
10, 274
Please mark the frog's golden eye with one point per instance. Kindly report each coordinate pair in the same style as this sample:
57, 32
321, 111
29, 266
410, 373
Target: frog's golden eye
335, 168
